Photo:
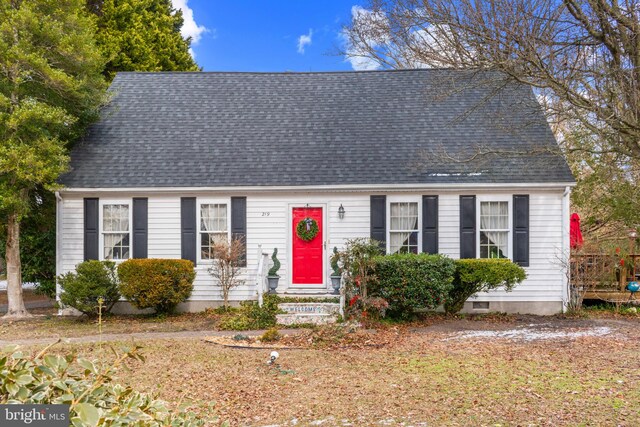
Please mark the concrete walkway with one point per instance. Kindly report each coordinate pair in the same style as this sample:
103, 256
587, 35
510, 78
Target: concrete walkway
140, 336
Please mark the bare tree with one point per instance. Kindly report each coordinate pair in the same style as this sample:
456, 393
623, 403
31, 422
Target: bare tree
226, 266
582, 57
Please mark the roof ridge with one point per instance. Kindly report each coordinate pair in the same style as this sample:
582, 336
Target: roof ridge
307, 72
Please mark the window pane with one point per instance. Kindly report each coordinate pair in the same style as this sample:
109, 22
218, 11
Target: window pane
403, 216
494, 244
207, 241
494, 216
484, 252
213, 222
213, 217
116, 245
222, 218
413, 223
413, 239
403, 242
205, 218
115, 218
395, 216
205, 246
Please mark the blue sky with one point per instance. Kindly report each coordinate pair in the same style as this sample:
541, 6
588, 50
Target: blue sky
261, 35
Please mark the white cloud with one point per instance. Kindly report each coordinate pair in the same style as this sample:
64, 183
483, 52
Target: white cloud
424, 46
304, 40
358, 58
362, 63
189, 28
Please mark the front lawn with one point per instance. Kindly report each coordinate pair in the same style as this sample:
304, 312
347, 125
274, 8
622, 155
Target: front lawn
53, 326
433, 375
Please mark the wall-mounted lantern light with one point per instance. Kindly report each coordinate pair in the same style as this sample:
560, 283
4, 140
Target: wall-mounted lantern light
341, 211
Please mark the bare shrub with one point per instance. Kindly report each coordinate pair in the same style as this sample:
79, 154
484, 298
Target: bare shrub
226, 268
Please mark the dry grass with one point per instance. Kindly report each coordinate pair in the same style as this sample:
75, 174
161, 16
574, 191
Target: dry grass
418, 378
54, 326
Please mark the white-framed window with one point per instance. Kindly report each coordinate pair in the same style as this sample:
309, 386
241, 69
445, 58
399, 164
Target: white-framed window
404, 226
115, 224
214, 226
494, 229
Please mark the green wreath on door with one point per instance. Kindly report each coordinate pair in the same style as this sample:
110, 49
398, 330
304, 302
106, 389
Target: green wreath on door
307, 229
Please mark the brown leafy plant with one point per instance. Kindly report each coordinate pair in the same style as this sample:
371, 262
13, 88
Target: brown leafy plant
226, 269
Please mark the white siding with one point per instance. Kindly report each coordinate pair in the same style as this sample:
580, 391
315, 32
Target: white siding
72, 230
545, 272
268, 225
449, 225
164, 227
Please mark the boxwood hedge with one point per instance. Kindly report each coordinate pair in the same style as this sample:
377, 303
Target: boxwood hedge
409, 282
160, 284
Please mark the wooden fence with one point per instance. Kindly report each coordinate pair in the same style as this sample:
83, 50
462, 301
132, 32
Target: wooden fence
604, 276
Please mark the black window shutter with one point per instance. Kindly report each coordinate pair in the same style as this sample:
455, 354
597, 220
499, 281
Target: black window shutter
91, 228
467, 226
521, 229
239, 224
379, 220
140, 227
430, 224
188, 228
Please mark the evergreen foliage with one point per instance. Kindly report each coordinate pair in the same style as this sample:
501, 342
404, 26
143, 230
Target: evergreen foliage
141, 35
481, 275
51, 88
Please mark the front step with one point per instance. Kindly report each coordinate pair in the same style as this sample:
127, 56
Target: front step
318, 313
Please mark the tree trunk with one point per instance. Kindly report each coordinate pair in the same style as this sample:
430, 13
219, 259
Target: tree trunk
16, 308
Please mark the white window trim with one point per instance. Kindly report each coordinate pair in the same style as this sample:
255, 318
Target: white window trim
102, 203
210, 201
403, 199
496, 198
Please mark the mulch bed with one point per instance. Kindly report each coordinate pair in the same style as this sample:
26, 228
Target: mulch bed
324, 337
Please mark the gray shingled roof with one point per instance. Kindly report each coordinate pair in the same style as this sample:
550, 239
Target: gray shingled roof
281, 129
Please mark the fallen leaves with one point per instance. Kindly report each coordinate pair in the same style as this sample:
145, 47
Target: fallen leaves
397, 374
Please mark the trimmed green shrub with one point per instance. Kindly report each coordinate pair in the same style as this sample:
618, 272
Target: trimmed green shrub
409, 282
87, 387
91, 280
251, 316
273, 271
481, 275
160, 284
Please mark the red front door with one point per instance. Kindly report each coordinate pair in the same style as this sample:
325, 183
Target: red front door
307, 256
